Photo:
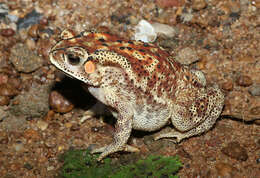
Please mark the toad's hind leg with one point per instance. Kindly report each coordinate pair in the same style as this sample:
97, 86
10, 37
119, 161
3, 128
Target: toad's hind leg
203, 113
179, 135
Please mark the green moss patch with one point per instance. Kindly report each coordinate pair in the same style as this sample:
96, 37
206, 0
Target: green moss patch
82, 164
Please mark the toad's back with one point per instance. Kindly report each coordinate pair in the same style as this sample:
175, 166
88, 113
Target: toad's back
148, 69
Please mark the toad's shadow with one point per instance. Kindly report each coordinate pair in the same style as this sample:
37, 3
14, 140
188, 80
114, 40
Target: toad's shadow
73, 91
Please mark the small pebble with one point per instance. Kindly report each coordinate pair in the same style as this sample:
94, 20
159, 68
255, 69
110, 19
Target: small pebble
15, 82
145, 32
255, 110
44, 45
4, 139
49, 115
54, 126
4, 100
12, 18
51, 142
198, 4
165, 30
28, 166
95, 129
30, 43
4, 9
3, 78
106, 130
45, 33
75, 127
167, 3
7, 90
33, 31
244, 81
254, 90
234, 16
42, 124
29, 19
44, 21
225, 170
18, 147
50, 168
31, 134
61, 147
234, 6
68, 125
187, 56
234, 150
246, 59
228, 85
42, 159
15, 167
59, 103
8, 32
256, 3
257, 122
170, 43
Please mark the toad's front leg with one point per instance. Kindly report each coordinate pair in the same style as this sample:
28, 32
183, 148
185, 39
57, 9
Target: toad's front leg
122, 133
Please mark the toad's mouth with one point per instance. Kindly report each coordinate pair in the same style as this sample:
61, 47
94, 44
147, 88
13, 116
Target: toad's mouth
67, 74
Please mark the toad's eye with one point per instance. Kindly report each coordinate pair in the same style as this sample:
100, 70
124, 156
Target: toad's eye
73, 59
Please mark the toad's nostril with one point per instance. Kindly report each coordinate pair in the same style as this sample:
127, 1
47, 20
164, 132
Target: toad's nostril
72, 59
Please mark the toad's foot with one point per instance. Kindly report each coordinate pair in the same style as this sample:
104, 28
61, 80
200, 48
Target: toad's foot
172, 134
106, 150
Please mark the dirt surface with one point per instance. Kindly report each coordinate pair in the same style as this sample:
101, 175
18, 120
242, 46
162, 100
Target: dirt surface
42, 111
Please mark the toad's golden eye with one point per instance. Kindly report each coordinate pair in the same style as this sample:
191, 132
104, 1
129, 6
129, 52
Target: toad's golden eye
72, 59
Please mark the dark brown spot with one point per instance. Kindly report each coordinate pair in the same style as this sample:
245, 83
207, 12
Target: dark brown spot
129, 48
141, 50
197, 84
101, 40
89, 58
130, 42
119, 41
122, 48
96, 51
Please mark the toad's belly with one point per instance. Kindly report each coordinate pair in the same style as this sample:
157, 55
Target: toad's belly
150, 119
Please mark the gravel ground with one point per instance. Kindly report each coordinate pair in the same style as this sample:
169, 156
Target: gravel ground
42, 116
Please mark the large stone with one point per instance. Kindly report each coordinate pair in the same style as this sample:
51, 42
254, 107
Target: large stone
25, 60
